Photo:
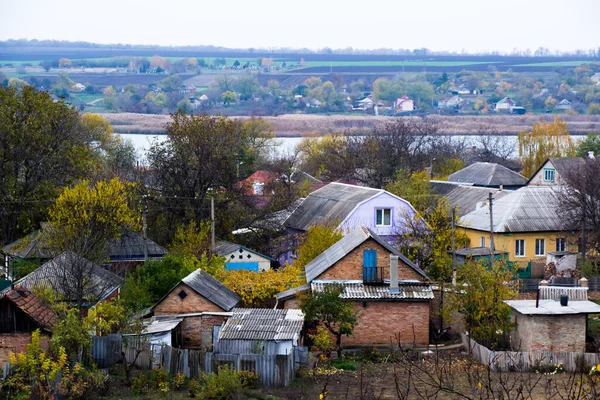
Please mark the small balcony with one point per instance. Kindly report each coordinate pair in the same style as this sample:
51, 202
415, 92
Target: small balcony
373, 275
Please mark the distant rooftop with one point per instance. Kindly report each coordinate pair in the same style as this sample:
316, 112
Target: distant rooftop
488, 175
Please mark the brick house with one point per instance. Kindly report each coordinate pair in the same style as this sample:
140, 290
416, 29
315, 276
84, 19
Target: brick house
203, 302
20, 314
389, 292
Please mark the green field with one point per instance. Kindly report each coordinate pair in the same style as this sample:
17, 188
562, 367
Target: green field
17, 63
393, 63
555, 64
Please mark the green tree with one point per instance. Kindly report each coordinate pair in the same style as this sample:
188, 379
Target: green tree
590, 143
317, 239
545, 140
185, 105
191, 240
337, 315
593, 109
247, 86
228, 97
170, 84
16, 83
483, 289
42, 149
313, 82
414, 188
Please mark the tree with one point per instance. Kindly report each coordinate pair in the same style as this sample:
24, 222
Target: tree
493, 147
313, 82
16, 83
86, 218
337, 315
317, 239
326, 157
593, 109
483, 288
42, 149
185, 105
64, 63
159, 63
192, 240
590, 143
545, 140
228, 97
247, 86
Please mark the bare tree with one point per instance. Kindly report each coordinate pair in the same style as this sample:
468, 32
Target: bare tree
493, 147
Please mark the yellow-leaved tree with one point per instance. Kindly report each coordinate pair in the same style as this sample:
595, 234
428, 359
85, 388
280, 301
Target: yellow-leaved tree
545, 140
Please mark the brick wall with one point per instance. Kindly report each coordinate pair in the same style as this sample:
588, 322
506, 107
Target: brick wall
192, 303
16, 343
197, 331
379, 322
351, 266
293, 302
548, 332
456, 322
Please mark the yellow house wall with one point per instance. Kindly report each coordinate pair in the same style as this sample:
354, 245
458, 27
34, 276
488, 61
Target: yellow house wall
506, 242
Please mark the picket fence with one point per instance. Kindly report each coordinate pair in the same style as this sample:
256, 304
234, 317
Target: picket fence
272, 370
518, 361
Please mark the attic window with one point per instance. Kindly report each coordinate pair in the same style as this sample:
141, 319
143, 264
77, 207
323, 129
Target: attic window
182, 294
548, 175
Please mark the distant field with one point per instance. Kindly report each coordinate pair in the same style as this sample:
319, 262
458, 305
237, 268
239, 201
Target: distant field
21, 62
556, 64
393, 63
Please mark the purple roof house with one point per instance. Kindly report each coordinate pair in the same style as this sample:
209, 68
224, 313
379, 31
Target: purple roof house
350, 207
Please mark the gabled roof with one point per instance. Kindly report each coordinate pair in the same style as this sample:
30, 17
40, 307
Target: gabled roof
330, 204
469, 198
506, 100
562, 165
33, 307
223, 248
528, 209
344, 246
68, 268
357, 290
130, 246
29, 246
211, 289
488, 174
263, 324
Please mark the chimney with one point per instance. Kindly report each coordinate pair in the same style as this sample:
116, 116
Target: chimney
591, 155
394, 274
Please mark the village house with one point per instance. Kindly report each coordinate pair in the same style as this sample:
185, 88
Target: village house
21, 313
527, 224
404, 104
564, 104
489, 175
390, 294
464, 197
506, 105
238, 257
553, 170
452, 102
203, 303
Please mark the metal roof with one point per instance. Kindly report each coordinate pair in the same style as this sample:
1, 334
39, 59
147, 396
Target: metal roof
528, 209
469, 198
288, 294
330, 204
356, 290
131, 246
211, 289
553, 307
477, 251
161, 325
224, 248
344, 246
69, 268
488, 174
263, 324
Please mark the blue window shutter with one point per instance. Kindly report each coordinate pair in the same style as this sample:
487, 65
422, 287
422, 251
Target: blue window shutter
369, 264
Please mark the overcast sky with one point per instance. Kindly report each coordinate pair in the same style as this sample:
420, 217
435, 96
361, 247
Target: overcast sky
472, 25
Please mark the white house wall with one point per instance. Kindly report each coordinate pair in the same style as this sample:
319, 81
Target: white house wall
243, 255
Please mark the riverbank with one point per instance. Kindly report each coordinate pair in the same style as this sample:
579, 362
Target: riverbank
297, 125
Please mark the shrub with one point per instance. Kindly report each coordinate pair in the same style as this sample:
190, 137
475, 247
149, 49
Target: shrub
345, 365
194, 388
140, 383
248, 379
222, 385
160, 377
178, 381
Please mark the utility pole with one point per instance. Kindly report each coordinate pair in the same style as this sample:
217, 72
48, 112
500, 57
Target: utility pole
212, 222
144, 224
492, 249
453, 247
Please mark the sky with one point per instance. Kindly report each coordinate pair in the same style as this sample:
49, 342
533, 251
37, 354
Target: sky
444, 25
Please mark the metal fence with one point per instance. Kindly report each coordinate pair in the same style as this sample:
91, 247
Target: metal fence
518, 361
106, 351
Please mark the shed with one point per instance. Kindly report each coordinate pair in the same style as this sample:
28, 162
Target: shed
240, 257
261, 331
163, 331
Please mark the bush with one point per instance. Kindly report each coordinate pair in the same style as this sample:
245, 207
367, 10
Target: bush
194, 388
345, 365
160, 377
140, 383
248, 379
178, 381
222, 385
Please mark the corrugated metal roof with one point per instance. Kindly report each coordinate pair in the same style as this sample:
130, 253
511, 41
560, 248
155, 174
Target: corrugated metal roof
161, 325
69, 267
528, 209
488, 174
344, 246
131, 246
286, 294
330, 204
262, 324
211, 289
356, 290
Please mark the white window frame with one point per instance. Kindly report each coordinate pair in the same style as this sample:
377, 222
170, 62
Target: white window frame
546, 172
521, 247
540, 247
383, 210
561, 244
482, 241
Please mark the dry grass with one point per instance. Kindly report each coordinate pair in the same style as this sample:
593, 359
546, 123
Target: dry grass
304, 124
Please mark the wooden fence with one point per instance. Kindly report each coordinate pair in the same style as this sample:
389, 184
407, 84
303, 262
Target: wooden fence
518, 361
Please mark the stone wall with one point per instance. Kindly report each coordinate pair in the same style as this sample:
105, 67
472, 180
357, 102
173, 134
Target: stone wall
548, 332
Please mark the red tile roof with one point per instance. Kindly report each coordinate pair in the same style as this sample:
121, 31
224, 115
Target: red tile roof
33, 306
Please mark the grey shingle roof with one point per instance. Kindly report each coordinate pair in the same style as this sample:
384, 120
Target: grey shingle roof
130, 246
562, 165
489, 175
344, 246
211, 289
329, 204
69, 267
528, 209
263, 324
408, 290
